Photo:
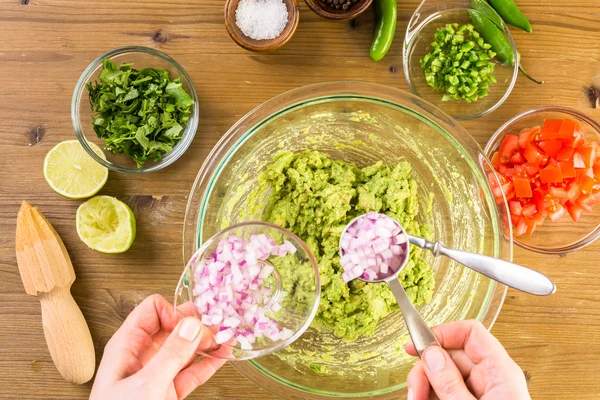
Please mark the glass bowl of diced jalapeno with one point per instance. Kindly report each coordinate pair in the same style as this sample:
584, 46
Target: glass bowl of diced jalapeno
462, 60
139, 105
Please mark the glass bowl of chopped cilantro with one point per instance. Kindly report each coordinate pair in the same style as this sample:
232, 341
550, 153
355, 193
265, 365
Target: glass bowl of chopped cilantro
461, 60
139, 105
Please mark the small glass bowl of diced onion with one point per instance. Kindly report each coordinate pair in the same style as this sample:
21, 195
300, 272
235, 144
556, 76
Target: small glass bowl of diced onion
255, 285
575, 224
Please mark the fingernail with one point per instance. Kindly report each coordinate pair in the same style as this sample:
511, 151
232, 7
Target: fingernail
189, 329
434, 359
411, 395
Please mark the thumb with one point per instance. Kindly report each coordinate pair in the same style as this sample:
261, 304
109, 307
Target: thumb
177, 350
443, 375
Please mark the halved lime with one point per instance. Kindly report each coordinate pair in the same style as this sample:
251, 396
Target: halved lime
106, 224
71, 172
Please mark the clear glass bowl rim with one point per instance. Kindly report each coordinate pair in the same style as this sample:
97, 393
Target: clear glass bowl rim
491, 144
409, 41
188, 133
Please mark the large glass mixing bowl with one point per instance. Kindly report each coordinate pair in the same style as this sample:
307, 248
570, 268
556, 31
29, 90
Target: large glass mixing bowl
360, 123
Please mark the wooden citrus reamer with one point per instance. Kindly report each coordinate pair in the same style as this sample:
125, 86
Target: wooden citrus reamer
47, 273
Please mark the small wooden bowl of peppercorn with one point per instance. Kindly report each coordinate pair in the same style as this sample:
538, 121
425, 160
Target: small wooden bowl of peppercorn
340, 10
261, 25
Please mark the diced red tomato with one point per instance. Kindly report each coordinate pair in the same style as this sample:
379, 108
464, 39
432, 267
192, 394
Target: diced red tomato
527, 136
519, 170
531, 169
551, 174
496, 160
542, 200
510, 194
578, 160
508, 147
517, 159
595, 199
515, 207
496, 190
556, 212
531, 225
586, 183
514, 219
586, 201
579, 141
596, 169
533, 155
547, 171
551, 147
529, 210
574, 210
522, 186
558, 192
585, 206
567, 130
565, 153
588, 154
507, 186
567, 168
540, 217
521, 228
550, 129
574, 192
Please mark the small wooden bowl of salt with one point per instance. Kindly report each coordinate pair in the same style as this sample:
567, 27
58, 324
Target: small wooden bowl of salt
261, 25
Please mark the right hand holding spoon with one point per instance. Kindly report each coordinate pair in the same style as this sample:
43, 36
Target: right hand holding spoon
470, 364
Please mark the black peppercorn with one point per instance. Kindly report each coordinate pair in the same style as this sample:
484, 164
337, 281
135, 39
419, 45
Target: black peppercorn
339, 4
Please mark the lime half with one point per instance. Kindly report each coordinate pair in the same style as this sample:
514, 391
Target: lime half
71, 172
106, 224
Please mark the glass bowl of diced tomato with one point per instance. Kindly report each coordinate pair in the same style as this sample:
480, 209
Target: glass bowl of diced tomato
548, 164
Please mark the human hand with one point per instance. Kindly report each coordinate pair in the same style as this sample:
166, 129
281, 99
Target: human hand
149, 356
474, 365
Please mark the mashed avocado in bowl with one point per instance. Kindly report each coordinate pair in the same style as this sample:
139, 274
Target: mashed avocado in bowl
311, 160
315, 197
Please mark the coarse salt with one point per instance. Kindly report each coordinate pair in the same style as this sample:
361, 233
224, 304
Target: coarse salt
261, 19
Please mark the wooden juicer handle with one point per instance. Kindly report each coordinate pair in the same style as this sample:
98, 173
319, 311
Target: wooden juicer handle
67, 336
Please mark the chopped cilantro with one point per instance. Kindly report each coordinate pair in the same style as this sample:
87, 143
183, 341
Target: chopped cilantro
140, 113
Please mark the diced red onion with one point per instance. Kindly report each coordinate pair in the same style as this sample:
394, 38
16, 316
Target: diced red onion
230, 293
372, 248
224, 336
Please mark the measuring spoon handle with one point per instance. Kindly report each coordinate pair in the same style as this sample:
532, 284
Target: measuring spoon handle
421, 335
510, 274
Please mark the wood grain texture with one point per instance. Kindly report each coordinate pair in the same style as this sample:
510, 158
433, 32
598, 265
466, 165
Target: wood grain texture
46, 44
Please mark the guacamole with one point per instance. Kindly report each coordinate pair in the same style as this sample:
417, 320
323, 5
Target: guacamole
315, 197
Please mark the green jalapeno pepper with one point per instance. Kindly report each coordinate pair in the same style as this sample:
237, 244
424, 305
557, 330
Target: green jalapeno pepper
510, 13
484, 7
493, 35
386, 28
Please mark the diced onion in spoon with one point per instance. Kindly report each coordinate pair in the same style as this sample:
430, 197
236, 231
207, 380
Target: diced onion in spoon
372, 248
230, 293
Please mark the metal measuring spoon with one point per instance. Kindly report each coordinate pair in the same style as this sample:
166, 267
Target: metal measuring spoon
510, 274
421, 335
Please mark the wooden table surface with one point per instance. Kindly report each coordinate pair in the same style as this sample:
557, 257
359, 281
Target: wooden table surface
46, 44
